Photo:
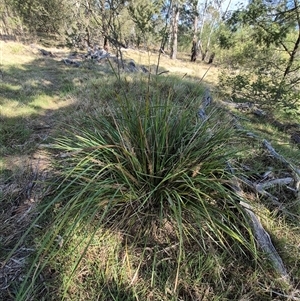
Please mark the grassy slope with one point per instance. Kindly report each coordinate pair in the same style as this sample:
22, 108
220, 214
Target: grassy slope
39, 96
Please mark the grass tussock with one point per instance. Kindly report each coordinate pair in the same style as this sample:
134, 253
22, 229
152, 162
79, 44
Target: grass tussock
149, 169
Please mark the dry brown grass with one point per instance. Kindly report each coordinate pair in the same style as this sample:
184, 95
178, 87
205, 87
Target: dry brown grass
180, 67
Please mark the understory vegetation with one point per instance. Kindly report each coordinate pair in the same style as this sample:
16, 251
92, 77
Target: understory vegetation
124, 186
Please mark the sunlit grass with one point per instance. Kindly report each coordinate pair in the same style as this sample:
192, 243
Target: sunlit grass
14, 54
280, 139
112, 269
183, 67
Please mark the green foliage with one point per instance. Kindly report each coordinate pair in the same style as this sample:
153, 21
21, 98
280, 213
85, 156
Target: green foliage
263, 53
262, 88
10, 22
143, 15
42, 16
271, 23
146, 18
145, 165
225, 40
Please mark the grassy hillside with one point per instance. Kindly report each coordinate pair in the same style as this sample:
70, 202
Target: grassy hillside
113, 187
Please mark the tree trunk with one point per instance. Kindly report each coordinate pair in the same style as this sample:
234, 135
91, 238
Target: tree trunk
88, 37
195, 44
209, 37
203, 54
104, 26
194, 52
106, 44
175, 19
296, 46
211, 58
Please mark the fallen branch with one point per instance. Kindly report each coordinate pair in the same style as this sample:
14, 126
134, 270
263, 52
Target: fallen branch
160, 73
206, 101
265, 242
289, 165
262, 186
253, 186
262, 236
252, 107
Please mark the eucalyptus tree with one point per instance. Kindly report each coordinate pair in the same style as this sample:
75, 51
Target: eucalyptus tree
147, 18
213, 14
44, 16
175, 11
200, 23
188, 25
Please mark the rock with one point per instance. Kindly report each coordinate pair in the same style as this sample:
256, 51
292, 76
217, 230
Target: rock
132, 64
46, 53
70, 62
132, 67
144, 69
295, 137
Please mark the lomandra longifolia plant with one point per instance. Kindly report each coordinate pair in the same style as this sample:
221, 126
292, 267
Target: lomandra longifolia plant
146, 161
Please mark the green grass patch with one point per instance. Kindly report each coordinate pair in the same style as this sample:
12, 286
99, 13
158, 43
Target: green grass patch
14, 133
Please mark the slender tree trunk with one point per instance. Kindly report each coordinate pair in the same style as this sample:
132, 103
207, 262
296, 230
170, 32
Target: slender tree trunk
88, 37
296, 46
226, 10
175, 19
203, 54
195, 38
209, 36
106, 44
104, 26
211, 58
164, 38
292, 57
194, 52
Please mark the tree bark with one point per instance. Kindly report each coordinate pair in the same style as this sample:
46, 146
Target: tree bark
211, 58
202, 52
88, 37
195, 44
175, 19
194, 51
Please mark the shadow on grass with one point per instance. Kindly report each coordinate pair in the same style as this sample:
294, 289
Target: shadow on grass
42, 76
28, 93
